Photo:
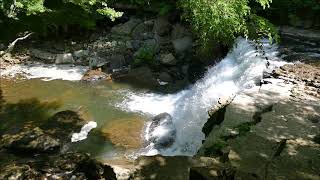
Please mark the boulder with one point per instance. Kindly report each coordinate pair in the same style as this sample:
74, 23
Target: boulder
42, 55
66, 166
65, 58
161, 26
161, 131
80, 53
143, 30
33, 140
63, 124
168, 59
216, 114
95, 75
164, 76
182, 45
126, 28
141, 76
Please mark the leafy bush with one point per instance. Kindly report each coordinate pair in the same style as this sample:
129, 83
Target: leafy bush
145, 55
223, 21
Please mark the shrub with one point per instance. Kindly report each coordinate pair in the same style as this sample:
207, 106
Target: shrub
223, 21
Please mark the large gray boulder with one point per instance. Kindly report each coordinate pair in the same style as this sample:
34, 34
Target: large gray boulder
65, 58
162, 131
126, 28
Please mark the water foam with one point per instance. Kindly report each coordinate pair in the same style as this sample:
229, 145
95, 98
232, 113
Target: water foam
46, 72
83, 134
241, 68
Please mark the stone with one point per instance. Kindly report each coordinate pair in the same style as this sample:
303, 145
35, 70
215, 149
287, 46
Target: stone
143, 30
141, 76
165, 77
182, 45
162, 122
42, 55
216, 114
161, 26
33, 140
168, 59
63, 124
117, 61
126, 28
178, 31
81, 53
65, 166
95, 75
125, 132
65, 58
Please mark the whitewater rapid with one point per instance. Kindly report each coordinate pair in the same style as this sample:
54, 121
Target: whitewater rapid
242, 68
46, 72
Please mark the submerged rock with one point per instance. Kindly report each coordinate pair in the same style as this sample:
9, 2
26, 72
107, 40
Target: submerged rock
161, 131
125, 132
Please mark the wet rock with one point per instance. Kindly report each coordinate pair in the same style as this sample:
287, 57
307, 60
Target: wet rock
165, 77
162, 131
63, 124
182, 45
168, 59
161, 26
300, 34
142, 76
30, 140
216, 114
126, 28
95, 75
65, 58
40, 54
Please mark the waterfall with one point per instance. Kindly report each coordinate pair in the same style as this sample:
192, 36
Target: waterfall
242, 68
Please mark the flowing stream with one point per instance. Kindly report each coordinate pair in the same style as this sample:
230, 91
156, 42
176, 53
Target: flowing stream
110, 103
241, 68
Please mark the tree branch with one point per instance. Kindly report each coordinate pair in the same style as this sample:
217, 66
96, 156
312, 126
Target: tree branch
11, 45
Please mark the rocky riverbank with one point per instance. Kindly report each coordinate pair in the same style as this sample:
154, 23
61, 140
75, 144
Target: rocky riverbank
41, 150
270, 131
151, 52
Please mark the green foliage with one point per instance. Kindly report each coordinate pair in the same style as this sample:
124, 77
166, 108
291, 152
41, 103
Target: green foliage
44, 15
222, 20
145, 55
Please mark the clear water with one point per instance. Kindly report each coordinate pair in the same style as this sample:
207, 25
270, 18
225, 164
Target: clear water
95, 101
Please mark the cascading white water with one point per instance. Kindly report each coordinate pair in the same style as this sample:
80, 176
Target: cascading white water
241, 68
46, 72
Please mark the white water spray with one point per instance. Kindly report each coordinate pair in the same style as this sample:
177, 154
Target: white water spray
46, 72
242, 68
